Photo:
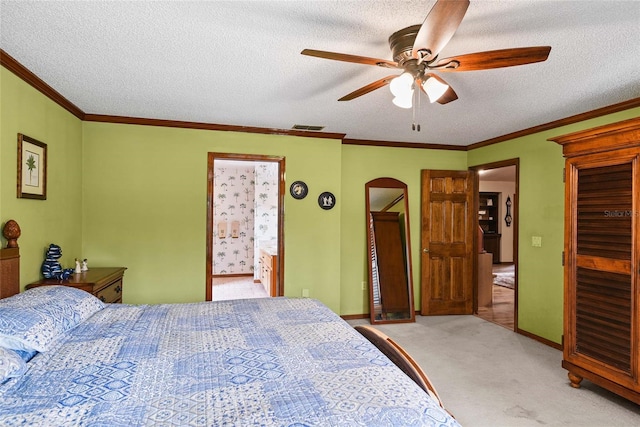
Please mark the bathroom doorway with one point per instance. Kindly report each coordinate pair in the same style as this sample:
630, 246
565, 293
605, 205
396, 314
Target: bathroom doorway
245, 205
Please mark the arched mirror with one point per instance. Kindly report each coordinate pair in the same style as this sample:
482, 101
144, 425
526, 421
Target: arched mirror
389, 255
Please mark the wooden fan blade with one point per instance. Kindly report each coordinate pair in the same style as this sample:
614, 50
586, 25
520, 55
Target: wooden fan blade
350, 58
448, 96
368, 88
493, 59
438, 27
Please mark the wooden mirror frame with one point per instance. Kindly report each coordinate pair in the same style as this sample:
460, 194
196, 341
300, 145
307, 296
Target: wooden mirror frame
376, 313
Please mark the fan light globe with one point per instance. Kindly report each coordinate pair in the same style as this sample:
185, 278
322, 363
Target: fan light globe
401, 85
404, 100
434, 89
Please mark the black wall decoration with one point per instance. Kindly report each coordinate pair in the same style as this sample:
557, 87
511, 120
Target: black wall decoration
326, 200
299, 190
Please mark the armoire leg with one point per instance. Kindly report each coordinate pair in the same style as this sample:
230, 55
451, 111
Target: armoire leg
575, 380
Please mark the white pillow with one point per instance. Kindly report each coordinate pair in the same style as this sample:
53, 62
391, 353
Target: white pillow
11, 365
33, 319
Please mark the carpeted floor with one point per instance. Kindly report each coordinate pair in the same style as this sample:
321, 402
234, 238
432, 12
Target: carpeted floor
489, 376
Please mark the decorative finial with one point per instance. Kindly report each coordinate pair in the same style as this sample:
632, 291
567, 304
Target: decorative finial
11, 232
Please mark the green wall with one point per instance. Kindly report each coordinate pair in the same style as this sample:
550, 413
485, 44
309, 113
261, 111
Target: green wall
145, 208
58, 219
541, 210
145, 191
136, 196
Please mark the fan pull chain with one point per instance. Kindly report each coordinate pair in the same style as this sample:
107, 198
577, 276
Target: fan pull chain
415, 127
419, 106
413, 114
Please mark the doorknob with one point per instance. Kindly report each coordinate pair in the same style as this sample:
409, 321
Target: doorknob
425, 250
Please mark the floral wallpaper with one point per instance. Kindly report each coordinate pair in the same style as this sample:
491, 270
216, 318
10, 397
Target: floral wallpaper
266, 219
245, 214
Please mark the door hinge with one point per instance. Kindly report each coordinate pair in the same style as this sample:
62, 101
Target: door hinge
563, 258
564, 174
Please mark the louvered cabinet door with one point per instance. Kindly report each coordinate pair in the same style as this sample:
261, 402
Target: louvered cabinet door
601, 294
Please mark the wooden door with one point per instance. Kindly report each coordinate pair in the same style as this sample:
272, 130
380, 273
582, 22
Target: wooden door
448, 239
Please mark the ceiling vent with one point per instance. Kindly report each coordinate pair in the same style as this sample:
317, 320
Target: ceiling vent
307, 127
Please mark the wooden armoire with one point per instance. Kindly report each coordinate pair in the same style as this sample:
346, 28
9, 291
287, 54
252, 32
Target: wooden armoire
602, 257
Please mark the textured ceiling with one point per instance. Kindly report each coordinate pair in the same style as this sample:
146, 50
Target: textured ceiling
239, 62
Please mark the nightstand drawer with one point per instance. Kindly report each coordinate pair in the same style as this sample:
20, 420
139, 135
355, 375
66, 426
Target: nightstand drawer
103, 282
112, 293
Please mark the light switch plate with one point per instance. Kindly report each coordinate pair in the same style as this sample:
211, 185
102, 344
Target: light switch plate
536, 241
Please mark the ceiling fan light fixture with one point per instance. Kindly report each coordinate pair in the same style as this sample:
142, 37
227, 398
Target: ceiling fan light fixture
405, 100
434, 89
402, 85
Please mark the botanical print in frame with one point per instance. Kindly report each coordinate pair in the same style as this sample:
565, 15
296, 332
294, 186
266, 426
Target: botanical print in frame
32, 168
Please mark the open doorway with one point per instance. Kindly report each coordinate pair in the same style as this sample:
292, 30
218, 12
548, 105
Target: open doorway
245, 205
497, 243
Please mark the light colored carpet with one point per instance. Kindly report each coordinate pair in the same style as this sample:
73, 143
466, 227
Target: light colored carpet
487, 375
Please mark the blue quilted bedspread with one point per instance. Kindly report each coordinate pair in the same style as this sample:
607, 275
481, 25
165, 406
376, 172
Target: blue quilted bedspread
271, 361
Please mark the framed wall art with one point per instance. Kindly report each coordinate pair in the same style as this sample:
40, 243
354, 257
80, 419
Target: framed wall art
326, 200
32, 168
299, 190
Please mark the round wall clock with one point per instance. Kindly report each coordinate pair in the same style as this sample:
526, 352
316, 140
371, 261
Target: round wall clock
327, 200
298, 190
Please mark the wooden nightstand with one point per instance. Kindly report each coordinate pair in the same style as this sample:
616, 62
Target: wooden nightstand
103, 282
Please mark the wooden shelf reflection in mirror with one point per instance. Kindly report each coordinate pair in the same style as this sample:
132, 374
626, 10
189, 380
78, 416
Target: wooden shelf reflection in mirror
389, 255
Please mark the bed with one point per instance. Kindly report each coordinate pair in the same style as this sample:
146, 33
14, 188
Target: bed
270, 361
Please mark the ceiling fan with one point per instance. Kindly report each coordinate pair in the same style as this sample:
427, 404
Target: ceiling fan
415, 50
